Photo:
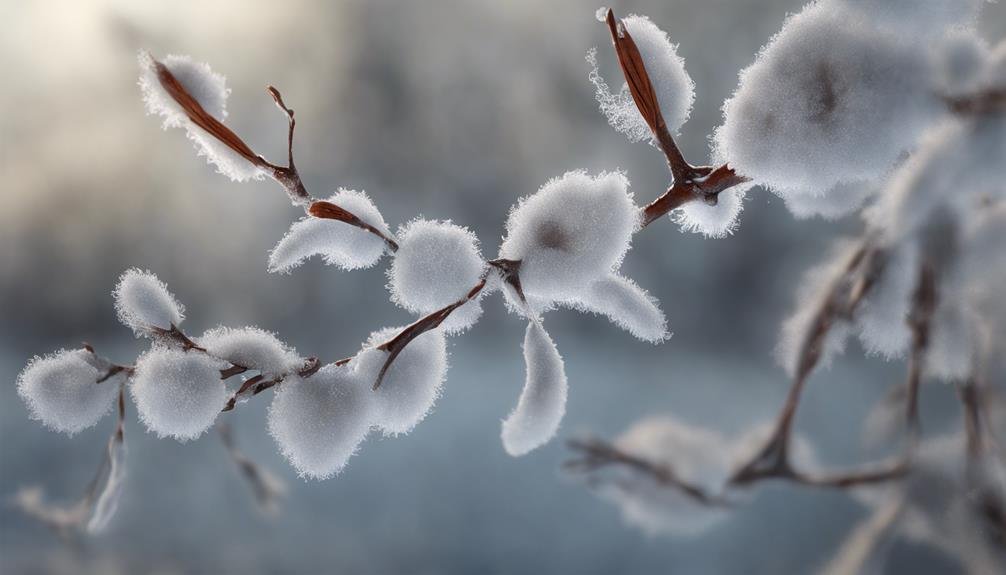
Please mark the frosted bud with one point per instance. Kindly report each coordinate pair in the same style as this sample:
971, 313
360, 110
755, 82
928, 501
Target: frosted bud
831, 99
812, 294
713, 221
628, 306
437, 263
412, 383
341, 244
253, 348
698, 457
210, 91
319, 421
882, 316
143, 303
673, 87
542, 403
573, 231
62, 392
917, 20
178, 393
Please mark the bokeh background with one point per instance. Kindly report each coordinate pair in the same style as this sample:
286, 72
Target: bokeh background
446, 109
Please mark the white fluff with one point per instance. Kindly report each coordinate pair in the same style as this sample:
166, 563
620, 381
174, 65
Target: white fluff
673, 87
62, 392
918, 20
320, 421
341, 244
178, 393
437, 263
956, 168
713, 221
628, 306
882, 318
841, 200
573, 231
699, 457
542, 403
210, 90
253, 348
411, 385
143, 302
831, 99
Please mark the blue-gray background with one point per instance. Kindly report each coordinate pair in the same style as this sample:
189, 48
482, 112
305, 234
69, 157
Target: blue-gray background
447, 109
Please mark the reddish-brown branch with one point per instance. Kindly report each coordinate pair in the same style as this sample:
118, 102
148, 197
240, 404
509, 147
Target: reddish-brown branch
924, 301
992, 100
691, 183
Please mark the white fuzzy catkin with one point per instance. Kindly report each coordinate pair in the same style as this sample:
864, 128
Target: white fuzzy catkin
178, 393
253, 348
628, 306
412, 383
341, 244
831, 99
956, 167
437, 263
882, 316
209, 89
697, 456
573, 231
143, 302
319, 421
62, 392
542, 403
673, 87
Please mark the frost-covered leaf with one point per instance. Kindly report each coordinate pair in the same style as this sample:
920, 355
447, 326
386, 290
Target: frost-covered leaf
628, 306
542, 403
574, 230
178, 393
62, 392
341, 244
253, 348
143, 302
109, 483
437, 263
319, 421
209, 91
673, 87
411, 385
831, 99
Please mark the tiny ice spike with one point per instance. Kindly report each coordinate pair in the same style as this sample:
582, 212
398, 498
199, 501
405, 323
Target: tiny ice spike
61, 391
320, 421
413, 382
437, 263
342, 245
542, 403
178, 393
144, 304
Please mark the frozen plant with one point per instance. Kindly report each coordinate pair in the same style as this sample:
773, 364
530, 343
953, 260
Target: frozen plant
896, 109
